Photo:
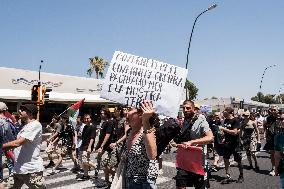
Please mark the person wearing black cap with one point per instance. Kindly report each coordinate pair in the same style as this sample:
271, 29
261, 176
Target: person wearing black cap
231, 130
28, 167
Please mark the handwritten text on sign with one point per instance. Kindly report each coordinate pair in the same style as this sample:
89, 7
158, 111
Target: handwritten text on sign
131, 79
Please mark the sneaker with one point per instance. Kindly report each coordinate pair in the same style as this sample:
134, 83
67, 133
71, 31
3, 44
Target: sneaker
240, 179
51, 164
53, 172
227, 180
272, 173
213, 169
75, 169
83, 178
96, 174
256, 168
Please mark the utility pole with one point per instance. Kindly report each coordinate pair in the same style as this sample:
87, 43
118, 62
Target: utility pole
39, 92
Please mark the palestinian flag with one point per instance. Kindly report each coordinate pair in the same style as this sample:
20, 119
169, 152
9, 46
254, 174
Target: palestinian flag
73, 111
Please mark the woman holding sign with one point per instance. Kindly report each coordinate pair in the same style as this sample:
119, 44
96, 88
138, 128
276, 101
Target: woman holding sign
141, 150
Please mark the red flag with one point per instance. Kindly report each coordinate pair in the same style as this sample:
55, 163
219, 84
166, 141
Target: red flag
77, 105
190, 159
74, 109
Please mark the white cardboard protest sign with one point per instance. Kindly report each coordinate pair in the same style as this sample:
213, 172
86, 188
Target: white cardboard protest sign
131, 79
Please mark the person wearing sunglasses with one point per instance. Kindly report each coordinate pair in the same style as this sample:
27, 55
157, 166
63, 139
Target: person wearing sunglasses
270, 125
231, 129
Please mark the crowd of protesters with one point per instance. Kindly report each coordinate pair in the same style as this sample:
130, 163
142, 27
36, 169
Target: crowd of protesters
127, 135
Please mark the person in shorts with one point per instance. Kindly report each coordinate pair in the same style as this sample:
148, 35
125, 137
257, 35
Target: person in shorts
270, 127
66, 145
231, 130
28, 168
87, 146
51, 145
106, 137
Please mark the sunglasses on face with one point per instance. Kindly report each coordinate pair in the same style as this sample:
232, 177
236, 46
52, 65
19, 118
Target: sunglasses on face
187, 108
280, 118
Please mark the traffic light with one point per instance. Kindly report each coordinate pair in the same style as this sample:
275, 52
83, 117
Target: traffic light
45, 93
35, 93
242, 104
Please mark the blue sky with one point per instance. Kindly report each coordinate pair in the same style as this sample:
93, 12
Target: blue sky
230, 48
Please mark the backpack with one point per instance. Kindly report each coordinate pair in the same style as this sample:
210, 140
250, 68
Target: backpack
165, 133
10, 131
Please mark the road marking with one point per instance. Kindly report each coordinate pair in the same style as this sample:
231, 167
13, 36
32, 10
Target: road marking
169, 164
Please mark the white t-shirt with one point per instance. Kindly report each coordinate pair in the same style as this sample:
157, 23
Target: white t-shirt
27, 156
259, 121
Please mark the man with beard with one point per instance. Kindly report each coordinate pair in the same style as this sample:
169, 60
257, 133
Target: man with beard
28, 168
231, 131
195, 132
109, 160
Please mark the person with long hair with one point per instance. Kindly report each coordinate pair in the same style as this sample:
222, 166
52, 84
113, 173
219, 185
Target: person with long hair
141, 150
250, 137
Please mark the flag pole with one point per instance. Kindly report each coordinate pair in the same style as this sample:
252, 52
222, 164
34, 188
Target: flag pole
63, 112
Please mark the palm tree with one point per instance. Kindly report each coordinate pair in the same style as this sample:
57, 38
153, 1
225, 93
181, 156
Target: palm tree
98, 65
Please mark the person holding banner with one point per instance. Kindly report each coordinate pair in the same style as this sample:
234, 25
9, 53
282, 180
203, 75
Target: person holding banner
141, 150
195, 133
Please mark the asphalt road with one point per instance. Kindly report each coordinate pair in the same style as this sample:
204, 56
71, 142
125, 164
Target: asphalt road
65, 179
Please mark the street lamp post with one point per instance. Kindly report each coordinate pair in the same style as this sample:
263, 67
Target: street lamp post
262, 80
209, 8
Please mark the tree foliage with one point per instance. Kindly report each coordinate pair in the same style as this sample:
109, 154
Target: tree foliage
98, 65
268, 98
191, 90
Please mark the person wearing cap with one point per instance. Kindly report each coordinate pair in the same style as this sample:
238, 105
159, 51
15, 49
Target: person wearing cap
214, 124
106, 156
197, 108
250, 137
28, 168
270, 126
231, 129
51, 145
3, 124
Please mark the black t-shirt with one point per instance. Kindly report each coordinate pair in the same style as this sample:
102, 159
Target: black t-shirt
119, 129
89, 132
66, 135
270, 127
270, 120
231, 124
107, 128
